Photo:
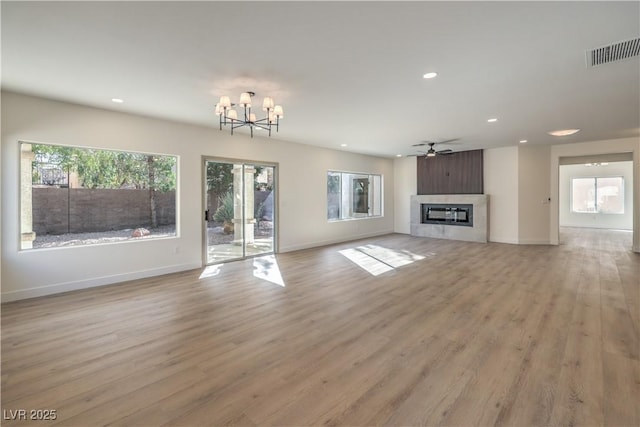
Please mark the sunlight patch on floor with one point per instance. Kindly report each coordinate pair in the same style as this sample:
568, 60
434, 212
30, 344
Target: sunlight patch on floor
366, 262
389, 256
378, 260
211, 271
266, 268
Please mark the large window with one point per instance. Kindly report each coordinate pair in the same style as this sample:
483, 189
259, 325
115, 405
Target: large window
75, 196
353, 195
597, 195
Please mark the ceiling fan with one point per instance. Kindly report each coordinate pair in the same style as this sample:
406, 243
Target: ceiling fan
431, 152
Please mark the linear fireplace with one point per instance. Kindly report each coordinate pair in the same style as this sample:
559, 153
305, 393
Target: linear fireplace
447, 213
441, 215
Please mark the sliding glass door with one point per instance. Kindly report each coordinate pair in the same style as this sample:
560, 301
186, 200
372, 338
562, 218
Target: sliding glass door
240, 210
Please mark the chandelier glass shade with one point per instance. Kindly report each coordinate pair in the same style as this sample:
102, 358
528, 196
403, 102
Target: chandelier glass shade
229, 116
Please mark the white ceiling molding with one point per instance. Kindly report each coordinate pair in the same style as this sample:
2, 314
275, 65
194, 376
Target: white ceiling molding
599, 158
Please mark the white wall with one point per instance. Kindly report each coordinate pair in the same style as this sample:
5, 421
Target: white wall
1, 199
302, 193
596, 220
533, 194
501, 184
405, 178
623, 145
514, 179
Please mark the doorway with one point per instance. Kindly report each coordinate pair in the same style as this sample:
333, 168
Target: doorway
240, 216
611, 197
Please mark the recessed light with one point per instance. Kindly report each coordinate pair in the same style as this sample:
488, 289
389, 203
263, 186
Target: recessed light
117, 100
523, 141
429, 75
563, 132
398, 155
343, 145
492, 120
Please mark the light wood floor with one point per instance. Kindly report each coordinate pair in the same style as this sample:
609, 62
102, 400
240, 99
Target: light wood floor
473, 334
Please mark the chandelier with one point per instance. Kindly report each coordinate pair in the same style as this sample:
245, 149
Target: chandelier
229, 116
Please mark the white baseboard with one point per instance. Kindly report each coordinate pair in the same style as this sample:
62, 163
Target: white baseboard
501, 240
318, 243
93, 282
521, 242
534, 242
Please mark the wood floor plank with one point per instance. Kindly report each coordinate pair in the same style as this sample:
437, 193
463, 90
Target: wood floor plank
621, 390
537, 382
418, 395
125, 403
455, 334
579, 397
491, 387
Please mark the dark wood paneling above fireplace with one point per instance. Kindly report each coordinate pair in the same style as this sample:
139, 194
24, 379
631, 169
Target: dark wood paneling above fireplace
459, 173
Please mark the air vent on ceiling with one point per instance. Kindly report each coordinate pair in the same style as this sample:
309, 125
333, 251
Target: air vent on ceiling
613, 52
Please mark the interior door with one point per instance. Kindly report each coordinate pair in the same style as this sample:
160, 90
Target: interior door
240, 210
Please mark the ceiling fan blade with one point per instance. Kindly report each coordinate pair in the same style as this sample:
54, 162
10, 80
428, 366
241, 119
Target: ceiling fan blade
446, 153
420, 154
432, 143
448, 150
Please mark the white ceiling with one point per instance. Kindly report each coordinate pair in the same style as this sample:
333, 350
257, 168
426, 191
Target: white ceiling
345, 72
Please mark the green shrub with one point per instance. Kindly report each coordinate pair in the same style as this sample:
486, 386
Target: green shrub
224, 213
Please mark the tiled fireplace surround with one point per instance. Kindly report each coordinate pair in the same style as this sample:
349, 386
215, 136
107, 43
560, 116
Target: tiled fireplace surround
478, 233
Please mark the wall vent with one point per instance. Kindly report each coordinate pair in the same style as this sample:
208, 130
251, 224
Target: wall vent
613, 52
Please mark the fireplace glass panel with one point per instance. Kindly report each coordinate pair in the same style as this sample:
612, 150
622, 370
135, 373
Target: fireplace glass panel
448, 214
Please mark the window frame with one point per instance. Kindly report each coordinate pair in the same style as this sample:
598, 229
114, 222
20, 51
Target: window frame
21, 195
374, 192
595, 195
